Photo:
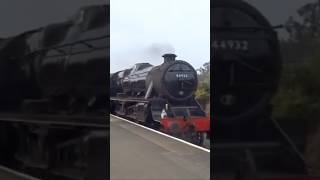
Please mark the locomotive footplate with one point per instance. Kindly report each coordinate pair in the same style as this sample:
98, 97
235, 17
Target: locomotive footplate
129, 99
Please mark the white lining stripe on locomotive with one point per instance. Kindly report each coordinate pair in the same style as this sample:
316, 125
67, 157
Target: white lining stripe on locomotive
174, 138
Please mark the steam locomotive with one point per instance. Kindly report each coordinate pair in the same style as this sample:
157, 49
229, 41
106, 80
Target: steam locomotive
162, 97
53, 98
43, 66
249, 144
246, 53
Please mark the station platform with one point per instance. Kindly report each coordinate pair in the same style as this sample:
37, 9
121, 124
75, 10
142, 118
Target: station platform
140, 153
9, 174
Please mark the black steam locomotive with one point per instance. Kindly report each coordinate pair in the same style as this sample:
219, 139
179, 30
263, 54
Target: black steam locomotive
246, 53
53, 97
60, 62
145, 92
246, 64
174, 79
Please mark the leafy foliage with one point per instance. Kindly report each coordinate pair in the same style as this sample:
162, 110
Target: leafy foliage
309, 27
203, 91
298, 97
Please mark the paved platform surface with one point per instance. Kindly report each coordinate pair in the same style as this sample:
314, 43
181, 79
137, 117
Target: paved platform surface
137, 153
9, 174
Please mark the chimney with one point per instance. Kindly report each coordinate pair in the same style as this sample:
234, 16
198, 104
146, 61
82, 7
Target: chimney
169, 57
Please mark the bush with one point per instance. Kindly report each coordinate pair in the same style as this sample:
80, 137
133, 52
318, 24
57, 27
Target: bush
298, 97
203, 90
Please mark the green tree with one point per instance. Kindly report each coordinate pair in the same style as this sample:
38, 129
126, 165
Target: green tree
203, 90
299, 86
297, 102
309, 25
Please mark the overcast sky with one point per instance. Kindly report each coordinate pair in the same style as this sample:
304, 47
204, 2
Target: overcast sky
278, 11
143, 30
17, 16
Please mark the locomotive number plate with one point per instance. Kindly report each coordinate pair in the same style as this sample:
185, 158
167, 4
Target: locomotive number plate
182, 75
234, 45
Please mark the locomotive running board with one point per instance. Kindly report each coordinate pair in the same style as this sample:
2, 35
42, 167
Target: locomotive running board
61, 52
129, 99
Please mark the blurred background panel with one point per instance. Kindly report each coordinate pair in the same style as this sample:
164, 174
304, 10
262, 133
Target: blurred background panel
266, 86
54, 61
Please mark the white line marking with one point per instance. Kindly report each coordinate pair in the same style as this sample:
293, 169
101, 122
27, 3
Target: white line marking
52, 122
161, 133
24, 176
